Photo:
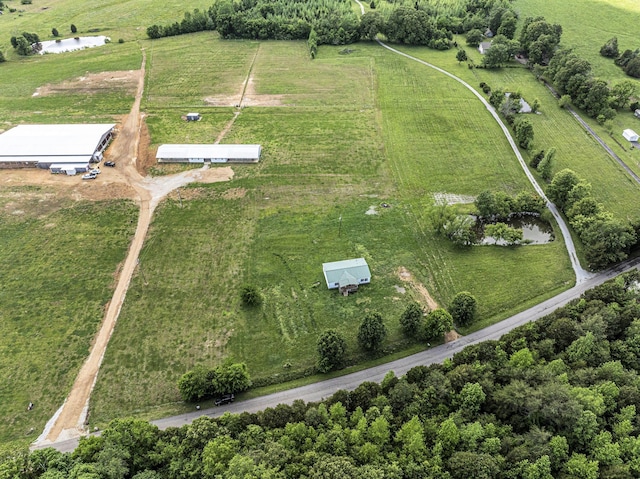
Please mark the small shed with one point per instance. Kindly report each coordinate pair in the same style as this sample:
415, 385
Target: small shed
637, 113
488, 33
346, 275
484, 47
193, 117
630, 135
69, 169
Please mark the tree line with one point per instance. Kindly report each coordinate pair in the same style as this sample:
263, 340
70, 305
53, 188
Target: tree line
606, 240
556, 398
335, 22
629, 60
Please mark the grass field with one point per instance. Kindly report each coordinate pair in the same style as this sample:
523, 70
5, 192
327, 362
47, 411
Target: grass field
384, 137
58, 259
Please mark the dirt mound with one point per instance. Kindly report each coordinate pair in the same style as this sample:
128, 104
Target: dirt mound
425, 297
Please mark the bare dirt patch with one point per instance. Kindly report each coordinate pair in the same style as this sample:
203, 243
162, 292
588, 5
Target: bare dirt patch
93, 83
252, 98
234, 193
146, 156
423, 293
452, 199
451, 336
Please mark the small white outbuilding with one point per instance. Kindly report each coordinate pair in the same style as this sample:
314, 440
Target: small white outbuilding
630, 135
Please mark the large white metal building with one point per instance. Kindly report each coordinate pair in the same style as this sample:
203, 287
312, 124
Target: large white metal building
41, 146
208, 153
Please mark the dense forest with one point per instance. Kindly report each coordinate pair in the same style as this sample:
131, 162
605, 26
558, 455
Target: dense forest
557, 398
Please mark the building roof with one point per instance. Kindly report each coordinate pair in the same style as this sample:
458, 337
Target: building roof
484, 46
26, 142
346, 272
630, 135
209, 151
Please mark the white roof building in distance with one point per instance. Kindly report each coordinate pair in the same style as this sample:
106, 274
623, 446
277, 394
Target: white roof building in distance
43, 145
349, 272
208, 153
630, 135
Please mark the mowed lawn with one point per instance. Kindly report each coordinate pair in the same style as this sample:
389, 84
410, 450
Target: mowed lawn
58, 260
388, 132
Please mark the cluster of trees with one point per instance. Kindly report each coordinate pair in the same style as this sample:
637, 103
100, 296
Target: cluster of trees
508, 104
491, 207
539, 39
498, 205
572, 76
606, 240
26, 44
332, 347
431, 327
202, 383
543, 162
629, 61
557, 398
335, 22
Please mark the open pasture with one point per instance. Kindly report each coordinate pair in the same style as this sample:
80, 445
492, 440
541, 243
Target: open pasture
279, 220
58, 260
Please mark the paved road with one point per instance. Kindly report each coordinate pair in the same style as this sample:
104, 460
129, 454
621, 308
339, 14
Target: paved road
324, 389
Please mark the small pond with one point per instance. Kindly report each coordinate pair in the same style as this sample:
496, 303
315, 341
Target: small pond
71, 44
534, 230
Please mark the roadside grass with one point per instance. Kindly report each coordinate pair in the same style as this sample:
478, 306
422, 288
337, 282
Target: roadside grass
587, 25
304, 204
58, 261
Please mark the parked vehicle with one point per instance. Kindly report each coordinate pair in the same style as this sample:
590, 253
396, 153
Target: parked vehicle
96, 171
110, 163
89, 176
226, 399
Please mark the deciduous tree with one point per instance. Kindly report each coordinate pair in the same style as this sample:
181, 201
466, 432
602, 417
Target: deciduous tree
332, 349
463, 308
372, 332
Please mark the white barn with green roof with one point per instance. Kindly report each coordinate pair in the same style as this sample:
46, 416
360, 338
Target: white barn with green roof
346, 275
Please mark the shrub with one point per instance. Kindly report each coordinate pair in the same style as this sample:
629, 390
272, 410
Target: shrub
250, 296
54, 32
120, 40
411, 319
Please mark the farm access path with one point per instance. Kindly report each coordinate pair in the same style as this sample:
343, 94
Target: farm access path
68, 422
